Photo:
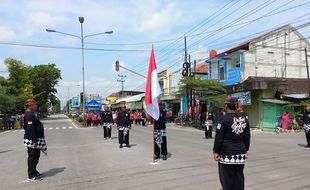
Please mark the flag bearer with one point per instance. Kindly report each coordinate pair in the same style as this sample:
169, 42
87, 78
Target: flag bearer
160, 138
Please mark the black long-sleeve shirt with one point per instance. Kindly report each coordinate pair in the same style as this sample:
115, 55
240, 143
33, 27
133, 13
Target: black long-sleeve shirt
106, 117
306, 119
161, 122
232, 134
33, 127
123, 119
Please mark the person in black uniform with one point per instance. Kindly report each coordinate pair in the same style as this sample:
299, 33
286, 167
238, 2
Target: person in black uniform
123, 126
143, 118
208, 122
106, 122
160, 138
306, 124
33, 131
231, 144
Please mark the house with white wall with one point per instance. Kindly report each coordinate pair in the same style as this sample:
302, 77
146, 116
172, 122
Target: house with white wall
263, 71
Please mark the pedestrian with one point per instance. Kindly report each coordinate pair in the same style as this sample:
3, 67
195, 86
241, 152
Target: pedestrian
94, 119
123, 126
136, 117
89, 119
33, 139
231, 144
306, 124
286, 121
160, 134
131, 117
208, 122
143, 115
106, 122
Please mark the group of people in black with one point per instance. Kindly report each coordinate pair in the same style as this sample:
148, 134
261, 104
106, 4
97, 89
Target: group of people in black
231, 144
124, 124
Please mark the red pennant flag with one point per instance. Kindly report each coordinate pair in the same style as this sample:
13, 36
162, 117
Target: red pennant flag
152, 90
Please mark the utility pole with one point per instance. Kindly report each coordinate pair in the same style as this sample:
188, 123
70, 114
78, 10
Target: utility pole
285, 34
122, 80
186, 75
308, 75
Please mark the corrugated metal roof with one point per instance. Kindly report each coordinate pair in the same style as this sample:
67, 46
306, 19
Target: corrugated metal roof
275, 101
296, 96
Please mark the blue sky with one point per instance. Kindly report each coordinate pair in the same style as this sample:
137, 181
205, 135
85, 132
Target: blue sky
133, 21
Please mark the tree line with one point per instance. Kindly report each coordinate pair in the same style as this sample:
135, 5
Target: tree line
25, 82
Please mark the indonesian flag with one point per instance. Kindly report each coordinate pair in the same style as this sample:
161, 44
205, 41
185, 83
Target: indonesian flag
152, 90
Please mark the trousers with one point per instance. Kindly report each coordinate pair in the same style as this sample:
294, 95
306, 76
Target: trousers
107, 131
308, 138
231, 176
163, 149
33, 160
208, 133
123, 139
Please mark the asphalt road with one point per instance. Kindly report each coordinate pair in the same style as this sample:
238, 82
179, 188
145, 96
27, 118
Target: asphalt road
79, 158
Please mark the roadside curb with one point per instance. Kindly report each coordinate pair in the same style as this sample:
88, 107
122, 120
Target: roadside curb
75, 123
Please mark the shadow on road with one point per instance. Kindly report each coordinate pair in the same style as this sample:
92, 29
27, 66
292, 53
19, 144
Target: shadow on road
5, 151
302, 145
60, 117
54, 171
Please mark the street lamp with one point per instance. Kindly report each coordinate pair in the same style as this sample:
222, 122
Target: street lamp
82, 38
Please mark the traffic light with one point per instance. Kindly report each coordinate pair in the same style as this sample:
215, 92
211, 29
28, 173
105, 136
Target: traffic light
117, 66
186, 71
81, 97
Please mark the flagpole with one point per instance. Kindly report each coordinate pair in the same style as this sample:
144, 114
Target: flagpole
153, 138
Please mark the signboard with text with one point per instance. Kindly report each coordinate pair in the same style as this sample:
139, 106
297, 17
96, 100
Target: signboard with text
75, 102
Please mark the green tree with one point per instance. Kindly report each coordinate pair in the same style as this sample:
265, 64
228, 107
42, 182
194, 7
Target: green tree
205, 89
44, 78
18, 82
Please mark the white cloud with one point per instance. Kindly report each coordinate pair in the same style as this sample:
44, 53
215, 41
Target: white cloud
160, 22
6, 33
3, 69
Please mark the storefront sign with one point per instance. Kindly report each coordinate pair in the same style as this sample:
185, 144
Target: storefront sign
243, 97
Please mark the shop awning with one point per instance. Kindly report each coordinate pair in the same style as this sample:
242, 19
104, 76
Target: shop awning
275, 101
295, 96
136, 98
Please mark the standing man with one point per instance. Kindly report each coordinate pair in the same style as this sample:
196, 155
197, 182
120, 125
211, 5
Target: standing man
160, 137
208, 121
306, 124
106, 122
33, 139
123, 126
232, 142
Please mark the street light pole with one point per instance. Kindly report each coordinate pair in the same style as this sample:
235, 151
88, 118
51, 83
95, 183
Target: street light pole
81, 37
81, 20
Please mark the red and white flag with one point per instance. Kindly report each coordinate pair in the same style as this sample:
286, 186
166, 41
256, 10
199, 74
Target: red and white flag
152, 90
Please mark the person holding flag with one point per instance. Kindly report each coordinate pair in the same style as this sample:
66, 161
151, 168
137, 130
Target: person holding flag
160, 144
152, 92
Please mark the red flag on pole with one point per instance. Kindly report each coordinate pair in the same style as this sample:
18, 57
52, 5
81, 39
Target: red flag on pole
152, 90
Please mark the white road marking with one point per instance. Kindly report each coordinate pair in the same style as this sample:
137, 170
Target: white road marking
57, 128
70, 127
64, 127
50, 128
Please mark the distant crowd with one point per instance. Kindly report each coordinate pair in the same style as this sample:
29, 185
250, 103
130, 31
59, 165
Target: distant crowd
138, 117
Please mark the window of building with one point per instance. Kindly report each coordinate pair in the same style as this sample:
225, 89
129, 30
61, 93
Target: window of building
222, 74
